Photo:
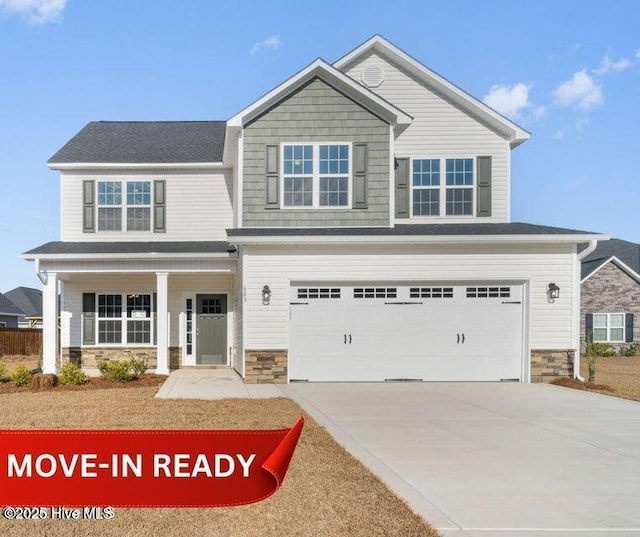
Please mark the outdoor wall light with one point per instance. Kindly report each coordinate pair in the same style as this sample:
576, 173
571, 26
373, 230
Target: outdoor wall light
266, 295
554, 291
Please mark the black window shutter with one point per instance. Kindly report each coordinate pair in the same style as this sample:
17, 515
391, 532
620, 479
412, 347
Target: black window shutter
588, 324
88, 207
628, 327
402, 188
88, 318
272, 177
359, 196
484, 186
159, 207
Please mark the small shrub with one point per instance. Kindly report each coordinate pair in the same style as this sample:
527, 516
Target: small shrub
72, 374
3, 373
21, 375
116, 370
43, 381
633, 349
602, 349
138, 366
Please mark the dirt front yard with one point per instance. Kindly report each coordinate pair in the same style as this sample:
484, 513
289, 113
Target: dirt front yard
326, 492
615, 375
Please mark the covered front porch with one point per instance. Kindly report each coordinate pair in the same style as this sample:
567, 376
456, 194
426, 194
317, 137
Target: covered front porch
170, 308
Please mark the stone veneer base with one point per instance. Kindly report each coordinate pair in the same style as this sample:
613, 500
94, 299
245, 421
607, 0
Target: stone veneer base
90, 356
266, 366
547, 365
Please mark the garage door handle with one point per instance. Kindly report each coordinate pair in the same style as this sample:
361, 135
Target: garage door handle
458, 337
345, 339
463, 338
349, 339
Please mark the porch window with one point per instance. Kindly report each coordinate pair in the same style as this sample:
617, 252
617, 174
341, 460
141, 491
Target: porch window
138, 319
124, 319
109, 319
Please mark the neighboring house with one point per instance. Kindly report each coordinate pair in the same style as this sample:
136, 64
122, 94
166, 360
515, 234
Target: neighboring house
353, 224
9, 313
610, 307
29, 300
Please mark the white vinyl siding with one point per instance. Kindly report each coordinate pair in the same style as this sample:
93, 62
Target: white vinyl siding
438, 129
198, 206
536, 266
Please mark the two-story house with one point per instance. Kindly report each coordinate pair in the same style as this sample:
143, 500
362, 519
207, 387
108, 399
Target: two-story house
353, 224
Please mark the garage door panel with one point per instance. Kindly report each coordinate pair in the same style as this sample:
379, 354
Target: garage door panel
376, 333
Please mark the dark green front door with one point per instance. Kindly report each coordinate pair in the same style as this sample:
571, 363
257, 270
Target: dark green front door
211, 329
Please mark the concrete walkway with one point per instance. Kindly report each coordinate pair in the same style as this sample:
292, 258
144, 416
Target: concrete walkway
213, 384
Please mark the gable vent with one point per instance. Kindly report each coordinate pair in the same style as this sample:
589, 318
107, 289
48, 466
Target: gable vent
372, 76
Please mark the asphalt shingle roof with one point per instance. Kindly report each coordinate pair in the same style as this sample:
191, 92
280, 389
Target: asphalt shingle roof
515, 228
627, 252
141, 142
29, 300
6, 306
190, 247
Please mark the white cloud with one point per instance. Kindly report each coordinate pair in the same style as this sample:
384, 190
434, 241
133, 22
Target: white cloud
607, 65
539, 112
582, 91
638, 55
35, 11
272, 42
558, 135
508, 100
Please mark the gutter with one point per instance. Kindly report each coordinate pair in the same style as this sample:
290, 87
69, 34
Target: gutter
576, 361
42, 276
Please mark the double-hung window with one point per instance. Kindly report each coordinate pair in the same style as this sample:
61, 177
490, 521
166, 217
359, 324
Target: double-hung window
316, 175
138, 206
609, 327
124, 205
442, 187
124, 319
109, 206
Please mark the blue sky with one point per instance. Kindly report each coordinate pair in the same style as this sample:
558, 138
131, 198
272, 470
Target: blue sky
569, 72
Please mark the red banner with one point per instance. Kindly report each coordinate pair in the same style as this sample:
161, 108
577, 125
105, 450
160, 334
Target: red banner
186, 468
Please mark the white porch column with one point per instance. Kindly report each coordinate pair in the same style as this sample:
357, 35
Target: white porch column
162, 323
50, 324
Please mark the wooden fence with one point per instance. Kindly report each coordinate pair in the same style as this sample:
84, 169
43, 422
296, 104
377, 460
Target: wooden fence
27, 341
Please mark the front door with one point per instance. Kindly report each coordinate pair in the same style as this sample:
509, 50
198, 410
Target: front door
211, 329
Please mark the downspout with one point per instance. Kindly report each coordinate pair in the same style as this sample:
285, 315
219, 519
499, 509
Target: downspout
576, 361
42, 276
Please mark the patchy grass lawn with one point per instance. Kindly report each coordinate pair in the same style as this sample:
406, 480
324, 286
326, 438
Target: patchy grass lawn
326, 492
615, 375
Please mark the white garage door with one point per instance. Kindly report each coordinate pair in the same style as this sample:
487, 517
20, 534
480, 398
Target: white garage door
388, 332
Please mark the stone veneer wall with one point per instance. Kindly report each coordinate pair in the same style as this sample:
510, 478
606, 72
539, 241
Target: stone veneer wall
547, 365
266, 366
610, 290
89, 356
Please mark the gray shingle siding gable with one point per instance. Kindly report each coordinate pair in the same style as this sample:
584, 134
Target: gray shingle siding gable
316, 113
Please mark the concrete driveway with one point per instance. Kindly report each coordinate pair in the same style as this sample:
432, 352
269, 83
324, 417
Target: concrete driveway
486, 460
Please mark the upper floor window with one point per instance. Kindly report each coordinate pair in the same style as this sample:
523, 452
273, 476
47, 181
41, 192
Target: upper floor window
316, 175
429, 190
131, 211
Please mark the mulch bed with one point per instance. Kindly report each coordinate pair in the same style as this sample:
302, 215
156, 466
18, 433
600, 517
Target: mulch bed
94, 383
586, 386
